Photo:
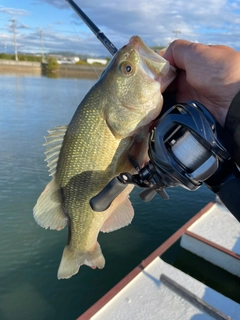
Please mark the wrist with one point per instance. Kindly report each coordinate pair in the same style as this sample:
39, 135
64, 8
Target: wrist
232, 120
232, 125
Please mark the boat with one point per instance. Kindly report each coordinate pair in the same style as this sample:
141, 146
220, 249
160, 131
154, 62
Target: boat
157, 289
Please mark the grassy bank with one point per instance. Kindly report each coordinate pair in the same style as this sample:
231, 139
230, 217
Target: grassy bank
68, 70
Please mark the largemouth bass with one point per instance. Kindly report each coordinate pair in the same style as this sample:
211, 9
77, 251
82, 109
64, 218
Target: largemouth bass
111, 122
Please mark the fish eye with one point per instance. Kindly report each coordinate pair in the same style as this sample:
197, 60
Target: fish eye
127, 68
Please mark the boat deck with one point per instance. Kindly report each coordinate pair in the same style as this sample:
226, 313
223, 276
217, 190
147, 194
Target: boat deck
157, 290
216, 238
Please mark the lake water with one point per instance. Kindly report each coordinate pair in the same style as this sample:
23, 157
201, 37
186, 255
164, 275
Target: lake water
30, 255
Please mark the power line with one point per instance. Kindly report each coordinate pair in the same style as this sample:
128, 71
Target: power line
176, 32
41, 37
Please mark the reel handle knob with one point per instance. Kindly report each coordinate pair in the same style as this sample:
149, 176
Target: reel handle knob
147, 195
105, 197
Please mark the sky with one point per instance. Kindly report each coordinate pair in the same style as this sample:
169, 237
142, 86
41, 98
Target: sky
52, 25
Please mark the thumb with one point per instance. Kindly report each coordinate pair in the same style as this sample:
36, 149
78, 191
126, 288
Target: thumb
177, 53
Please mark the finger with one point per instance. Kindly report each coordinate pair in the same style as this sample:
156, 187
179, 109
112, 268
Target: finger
181, 52
221, 46
176, 53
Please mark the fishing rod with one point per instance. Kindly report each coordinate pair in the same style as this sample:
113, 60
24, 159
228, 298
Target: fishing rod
98, 33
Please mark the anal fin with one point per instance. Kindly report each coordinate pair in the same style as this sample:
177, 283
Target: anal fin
48, 211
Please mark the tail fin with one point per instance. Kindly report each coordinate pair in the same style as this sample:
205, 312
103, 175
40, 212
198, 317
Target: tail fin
71, 261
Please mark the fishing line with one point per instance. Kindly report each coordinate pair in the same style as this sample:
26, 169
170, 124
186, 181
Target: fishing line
80, 40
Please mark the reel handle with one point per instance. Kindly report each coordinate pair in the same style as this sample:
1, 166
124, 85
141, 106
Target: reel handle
105, 197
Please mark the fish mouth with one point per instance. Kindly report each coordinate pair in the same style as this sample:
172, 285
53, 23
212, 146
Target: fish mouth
137, 43
152, 63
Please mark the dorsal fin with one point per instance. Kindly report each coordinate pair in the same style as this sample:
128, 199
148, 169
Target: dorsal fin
53, 146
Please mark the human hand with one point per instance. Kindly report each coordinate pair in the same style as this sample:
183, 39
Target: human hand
208, 74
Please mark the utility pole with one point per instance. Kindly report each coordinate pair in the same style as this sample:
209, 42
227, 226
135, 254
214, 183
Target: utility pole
42, 49
15, 41
176, 32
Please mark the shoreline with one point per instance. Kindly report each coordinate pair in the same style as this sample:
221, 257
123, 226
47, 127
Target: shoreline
37, 68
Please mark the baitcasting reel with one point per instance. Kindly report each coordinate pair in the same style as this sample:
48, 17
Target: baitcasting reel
187, 147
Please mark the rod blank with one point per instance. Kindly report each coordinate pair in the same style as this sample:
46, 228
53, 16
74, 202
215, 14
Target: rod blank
98, 33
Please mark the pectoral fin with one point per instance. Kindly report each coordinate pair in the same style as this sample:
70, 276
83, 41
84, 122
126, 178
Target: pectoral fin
121, 209
121, 212
138, 149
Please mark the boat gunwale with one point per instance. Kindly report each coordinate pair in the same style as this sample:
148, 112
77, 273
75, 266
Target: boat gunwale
98, 305
212, 244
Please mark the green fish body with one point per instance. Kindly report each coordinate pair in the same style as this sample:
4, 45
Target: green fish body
110, 123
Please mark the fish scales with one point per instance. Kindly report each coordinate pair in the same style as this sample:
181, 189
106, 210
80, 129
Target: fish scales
88, 159
110, 123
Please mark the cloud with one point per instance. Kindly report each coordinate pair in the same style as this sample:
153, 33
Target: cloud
23, 26
56, 3
206, 21
157, 22
14, 12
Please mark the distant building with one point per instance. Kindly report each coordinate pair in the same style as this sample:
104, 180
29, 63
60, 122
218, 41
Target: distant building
92, 61
65, 60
